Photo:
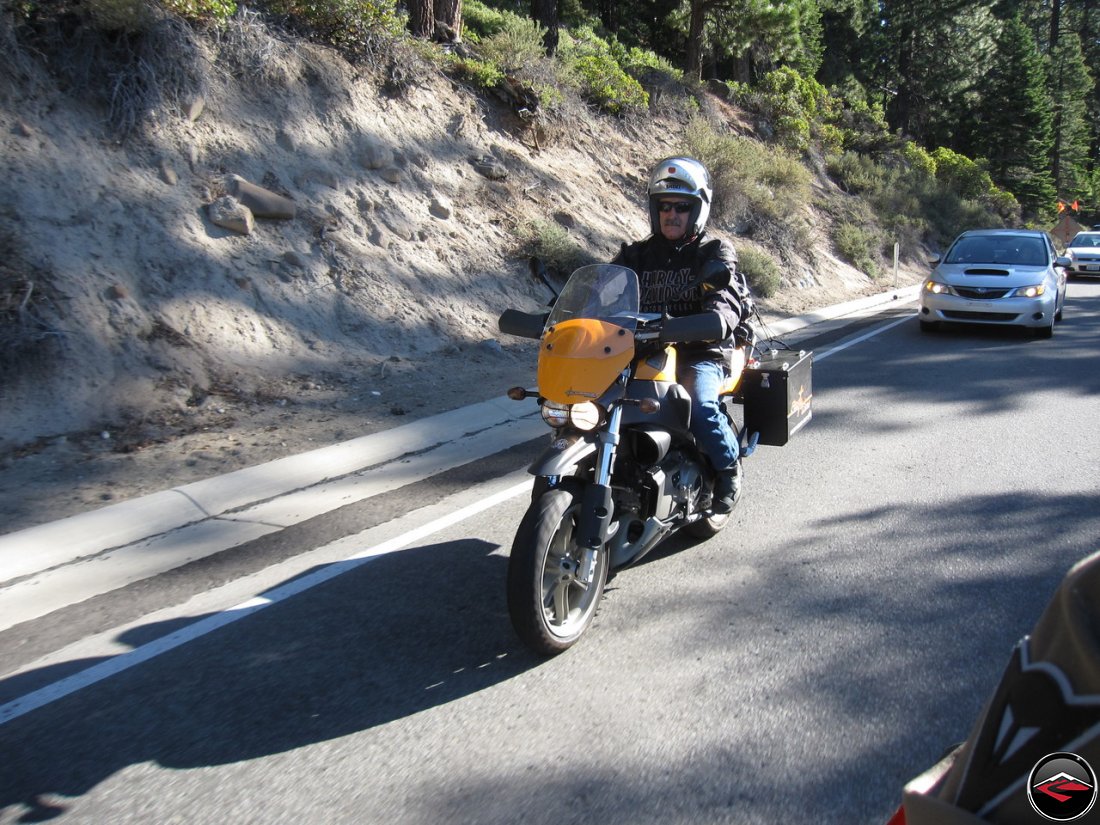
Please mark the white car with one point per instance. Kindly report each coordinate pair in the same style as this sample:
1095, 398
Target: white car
1006, 277
1084, 254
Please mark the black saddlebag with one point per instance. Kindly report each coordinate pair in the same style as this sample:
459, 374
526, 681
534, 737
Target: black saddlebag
777, 392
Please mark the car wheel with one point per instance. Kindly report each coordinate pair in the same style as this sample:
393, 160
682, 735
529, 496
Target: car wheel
1045, 332
929, 326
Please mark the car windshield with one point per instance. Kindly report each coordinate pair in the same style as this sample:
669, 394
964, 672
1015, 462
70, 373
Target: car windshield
997, 249
1087, 241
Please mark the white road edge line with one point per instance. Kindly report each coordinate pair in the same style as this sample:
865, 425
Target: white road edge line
124, 661
861, 338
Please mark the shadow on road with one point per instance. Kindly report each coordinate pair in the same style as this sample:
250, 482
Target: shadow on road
403, 633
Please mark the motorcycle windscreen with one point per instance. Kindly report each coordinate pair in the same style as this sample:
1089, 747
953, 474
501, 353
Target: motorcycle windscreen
605, 291
580, 358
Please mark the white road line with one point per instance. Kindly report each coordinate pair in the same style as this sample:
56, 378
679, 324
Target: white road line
859, 339
124, 661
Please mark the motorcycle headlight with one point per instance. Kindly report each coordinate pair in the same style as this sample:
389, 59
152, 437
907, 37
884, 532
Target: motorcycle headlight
584, 416
1029, 291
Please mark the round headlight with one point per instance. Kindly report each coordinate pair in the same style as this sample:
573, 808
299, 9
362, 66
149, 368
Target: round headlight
584, 416
556, 415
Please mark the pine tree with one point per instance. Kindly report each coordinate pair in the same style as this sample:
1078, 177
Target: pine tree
1070, 88
937, 51
1016, 130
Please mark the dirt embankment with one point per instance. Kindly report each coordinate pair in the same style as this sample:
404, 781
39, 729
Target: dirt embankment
148, 346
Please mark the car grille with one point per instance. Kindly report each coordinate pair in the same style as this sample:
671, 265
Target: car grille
984, 293
960, 315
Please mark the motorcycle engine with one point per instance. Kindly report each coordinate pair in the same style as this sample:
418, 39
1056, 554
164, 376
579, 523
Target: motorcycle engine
677, 480
688, 479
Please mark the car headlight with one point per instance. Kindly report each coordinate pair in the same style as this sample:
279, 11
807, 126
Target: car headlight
584, 416
936, 287
1028, 291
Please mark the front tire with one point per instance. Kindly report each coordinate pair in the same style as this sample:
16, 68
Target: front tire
549, 605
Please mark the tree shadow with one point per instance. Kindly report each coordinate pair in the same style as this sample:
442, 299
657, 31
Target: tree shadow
391, 638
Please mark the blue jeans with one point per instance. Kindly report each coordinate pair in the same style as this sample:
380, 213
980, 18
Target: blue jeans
709, 425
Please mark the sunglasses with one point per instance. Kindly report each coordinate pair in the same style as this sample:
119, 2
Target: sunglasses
681, 207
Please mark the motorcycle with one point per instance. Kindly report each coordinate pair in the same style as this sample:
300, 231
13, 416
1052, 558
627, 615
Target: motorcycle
622, 471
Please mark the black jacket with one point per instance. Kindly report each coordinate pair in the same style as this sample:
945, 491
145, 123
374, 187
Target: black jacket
699, 276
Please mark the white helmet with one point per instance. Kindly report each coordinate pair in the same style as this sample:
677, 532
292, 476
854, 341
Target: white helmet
687, 178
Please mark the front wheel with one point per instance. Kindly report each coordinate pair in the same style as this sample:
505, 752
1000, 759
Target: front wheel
549, 601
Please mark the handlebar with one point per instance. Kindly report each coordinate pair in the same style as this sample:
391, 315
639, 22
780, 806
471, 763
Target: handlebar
522, 324
705, 326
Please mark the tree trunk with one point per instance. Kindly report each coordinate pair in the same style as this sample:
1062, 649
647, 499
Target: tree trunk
448, 15
421, 18
693, 58
1055, 23
545, 13
609, 15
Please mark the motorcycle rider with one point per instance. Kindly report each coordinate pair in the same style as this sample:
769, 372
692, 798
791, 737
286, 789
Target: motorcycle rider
682, 271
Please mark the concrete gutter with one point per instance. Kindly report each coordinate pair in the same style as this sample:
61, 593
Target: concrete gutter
276, 494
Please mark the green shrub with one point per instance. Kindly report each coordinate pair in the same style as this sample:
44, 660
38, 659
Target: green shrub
636, 60
139, 15
855, 173
919, 161
518, 42
760, 270
130, 16
479, 73
551, 243
479, 21
961, 174
358, 28
760, 189
791, 105
589, 63
604, 83
862, 124
856, 244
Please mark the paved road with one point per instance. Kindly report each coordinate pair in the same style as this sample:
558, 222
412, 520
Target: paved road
800, 667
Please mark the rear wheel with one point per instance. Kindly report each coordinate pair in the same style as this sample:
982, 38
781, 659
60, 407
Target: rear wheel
710, 526
548, 601
707, 527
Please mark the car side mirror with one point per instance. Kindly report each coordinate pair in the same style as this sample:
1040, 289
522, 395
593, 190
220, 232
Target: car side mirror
1063, 262
935, 262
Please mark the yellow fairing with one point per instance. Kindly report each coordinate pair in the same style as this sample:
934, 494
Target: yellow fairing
658, 367
580, 358
737, 366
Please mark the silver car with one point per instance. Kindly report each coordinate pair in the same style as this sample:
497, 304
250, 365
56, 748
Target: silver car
1002, 277
1084, 254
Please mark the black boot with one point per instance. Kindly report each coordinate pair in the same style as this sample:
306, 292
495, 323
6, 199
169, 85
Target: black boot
727, 491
